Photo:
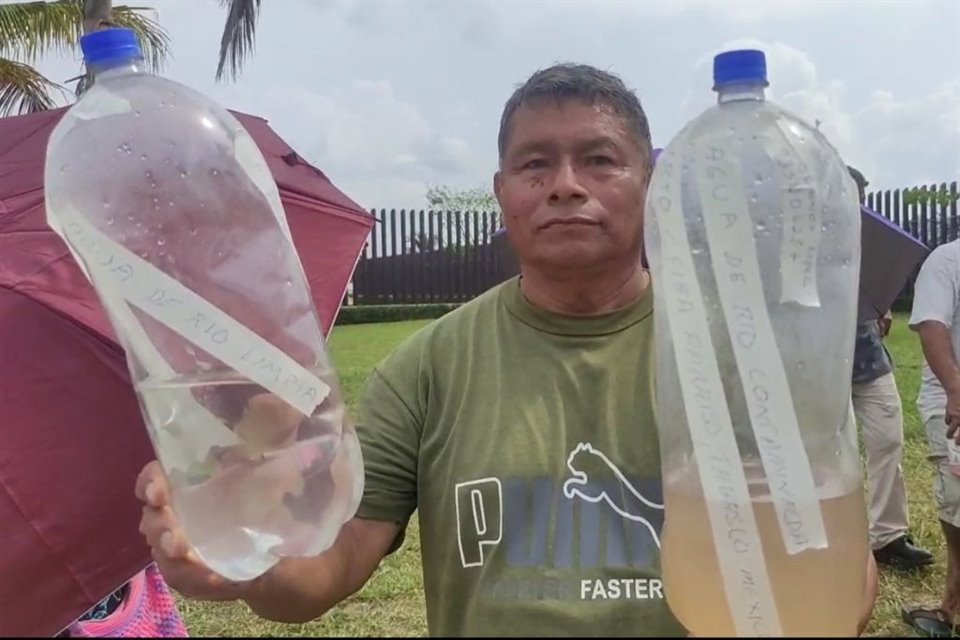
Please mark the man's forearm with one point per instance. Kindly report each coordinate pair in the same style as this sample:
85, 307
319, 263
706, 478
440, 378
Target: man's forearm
938, 350
299, 590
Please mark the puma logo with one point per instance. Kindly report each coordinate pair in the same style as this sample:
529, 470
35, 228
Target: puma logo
593, 473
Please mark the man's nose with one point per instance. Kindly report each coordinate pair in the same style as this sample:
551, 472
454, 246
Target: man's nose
566, 184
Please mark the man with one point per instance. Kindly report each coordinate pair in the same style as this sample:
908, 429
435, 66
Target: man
876, 402
521, 426
936, 318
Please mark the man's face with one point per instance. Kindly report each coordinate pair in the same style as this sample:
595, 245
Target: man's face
572, 186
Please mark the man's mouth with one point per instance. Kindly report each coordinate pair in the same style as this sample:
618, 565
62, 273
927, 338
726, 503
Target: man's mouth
572, 221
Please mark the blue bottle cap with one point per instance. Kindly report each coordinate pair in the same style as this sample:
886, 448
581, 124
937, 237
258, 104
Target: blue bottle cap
740, 66
116, 43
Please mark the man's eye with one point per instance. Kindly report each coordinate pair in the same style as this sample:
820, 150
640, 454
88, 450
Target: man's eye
535, 163
600, 160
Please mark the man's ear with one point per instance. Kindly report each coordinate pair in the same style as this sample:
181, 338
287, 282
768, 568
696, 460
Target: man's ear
497, 185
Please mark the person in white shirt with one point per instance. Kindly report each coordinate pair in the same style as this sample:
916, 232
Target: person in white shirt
936, 318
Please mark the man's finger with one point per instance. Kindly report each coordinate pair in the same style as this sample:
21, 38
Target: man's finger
156, 494
177, 546
953, 427
155, 522
151, 475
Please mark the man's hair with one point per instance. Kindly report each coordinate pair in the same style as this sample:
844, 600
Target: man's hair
570, 81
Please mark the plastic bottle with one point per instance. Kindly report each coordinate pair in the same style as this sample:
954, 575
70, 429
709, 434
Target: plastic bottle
753, 237
169, 207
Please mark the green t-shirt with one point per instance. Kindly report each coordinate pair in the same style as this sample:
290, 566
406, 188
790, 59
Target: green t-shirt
527, 443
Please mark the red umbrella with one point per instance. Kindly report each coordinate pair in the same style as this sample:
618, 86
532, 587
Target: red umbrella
72, 437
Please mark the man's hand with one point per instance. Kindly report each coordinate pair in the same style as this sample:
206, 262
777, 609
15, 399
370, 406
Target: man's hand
884, 323
178, 564
952, 415
938, 351
295, 590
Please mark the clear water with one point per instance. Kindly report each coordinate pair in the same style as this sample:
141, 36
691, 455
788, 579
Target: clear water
281, 484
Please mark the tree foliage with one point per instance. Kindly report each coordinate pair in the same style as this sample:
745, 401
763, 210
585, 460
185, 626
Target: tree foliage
32, 29
444, 198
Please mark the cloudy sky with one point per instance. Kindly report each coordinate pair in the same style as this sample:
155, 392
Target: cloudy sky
390, 97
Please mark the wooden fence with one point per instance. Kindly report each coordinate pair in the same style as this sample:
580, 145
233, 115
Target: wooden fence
416, 256
928, 213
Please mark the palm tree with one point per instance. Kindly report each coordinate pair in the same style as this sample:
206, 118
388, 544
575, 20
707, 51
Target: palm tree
236, 43
239, 34
29, 30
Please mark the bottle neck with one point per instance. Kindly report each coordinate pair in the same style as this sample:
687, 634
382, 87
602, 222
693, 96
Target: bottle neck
740, 91
114, 67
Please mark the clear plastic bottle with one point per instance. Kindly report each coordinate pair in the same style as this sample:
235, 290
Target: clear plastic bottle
168, 205
753, 238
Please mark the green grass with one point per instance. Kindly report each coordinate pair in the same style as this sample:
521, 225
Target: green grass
391, 604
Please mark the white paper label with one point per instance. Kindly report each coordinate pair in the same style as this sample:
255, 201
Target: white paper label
177, 450
194, 318
248, 156
178, 447
729, 230
736, 539
800, 246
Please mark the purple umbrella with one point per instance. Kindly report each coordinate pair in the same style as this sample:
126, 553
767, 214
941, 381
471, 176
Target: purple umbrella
889, 256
